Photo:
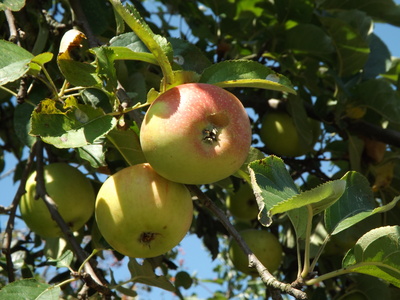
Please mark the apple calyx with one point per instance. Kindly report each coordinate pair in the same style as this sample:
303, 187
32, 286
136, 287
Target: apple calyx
147, 237
210, 136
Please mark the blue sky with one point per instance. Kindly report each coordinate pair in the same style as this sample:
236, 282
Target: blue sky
196, 258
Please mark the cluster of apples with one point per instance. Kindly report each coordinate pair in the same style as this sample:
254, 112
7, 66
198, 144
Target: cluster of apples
192, 134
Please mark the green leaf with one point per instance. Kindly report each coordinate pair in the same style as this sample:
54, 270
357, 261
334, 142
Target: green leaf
271, 184
123, 53
42, 58
14, 62
354, 215
183, 279
245, 73
351, 48
24, 289
157, 45
188, 56
131, 41
14, 5
105, 66
379, 95
94, 154
128, 144
51, 293
357, 198
126, 291
38, 62
382, 10
379, 60
309, 39
145, 274
22, 125
319, 198
376, 253
76, 126
64, 261
79, 73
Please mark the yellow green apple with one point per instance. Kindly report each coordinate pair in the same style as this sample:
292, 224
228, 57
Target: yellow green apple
71, 191
196, 133
280, 135
263, 244
141, 214
242, 204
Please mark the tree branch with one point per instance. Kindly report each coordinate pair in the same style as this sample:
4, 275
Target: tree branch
14, 36
387, 136
89, 267
266, 276
7, 239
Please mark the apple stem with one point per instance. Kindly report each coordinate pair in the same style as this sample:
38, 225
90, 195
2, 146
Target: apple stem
268, 279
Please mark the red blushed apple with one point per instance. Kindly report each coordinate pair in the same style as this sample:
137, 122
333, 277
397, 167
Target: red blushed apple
196, 133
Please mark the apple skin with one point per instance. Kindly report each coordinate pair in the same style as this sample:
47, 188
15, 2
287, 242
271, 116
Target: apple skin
196, 133
243, 204
280, 136
263, 244
141, 214
71, 191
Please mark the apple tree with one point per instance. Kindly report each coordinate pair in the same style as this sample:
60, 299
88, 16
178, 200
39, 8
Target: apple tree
267, 129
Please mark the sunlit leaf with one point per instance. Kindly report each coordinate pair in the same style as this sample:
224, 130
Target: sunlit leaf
64, 261
271, 184
356, 198
14, 62
157, 45
14, 5
76, 126
23, 289
245, 73
376, 253
319, 198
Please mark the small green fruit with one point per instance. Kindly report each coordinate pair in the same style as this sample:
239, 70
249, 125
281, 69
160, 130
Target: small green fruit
280, 136
71, 191
264, 245
243, 204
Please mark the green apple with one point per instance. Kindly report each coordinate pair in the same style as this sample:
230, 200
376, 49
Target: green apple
141, 214
71, 191
279, 134
196, 133
243, 204
264, 245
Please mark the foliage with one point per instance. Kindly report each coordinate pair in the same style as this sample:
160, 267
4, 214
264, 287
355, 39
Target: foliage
81, 94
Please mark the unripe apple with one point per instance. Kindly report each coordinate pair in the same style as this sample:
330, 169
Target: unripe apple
71, 191
141, 214
264, 245
196, 133
243, 204
280, 136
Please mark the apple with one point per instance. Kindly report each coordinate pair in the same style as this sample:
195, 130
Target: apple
141, 214
71, 191
280, 135
243, 204
196, 133
264, 245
